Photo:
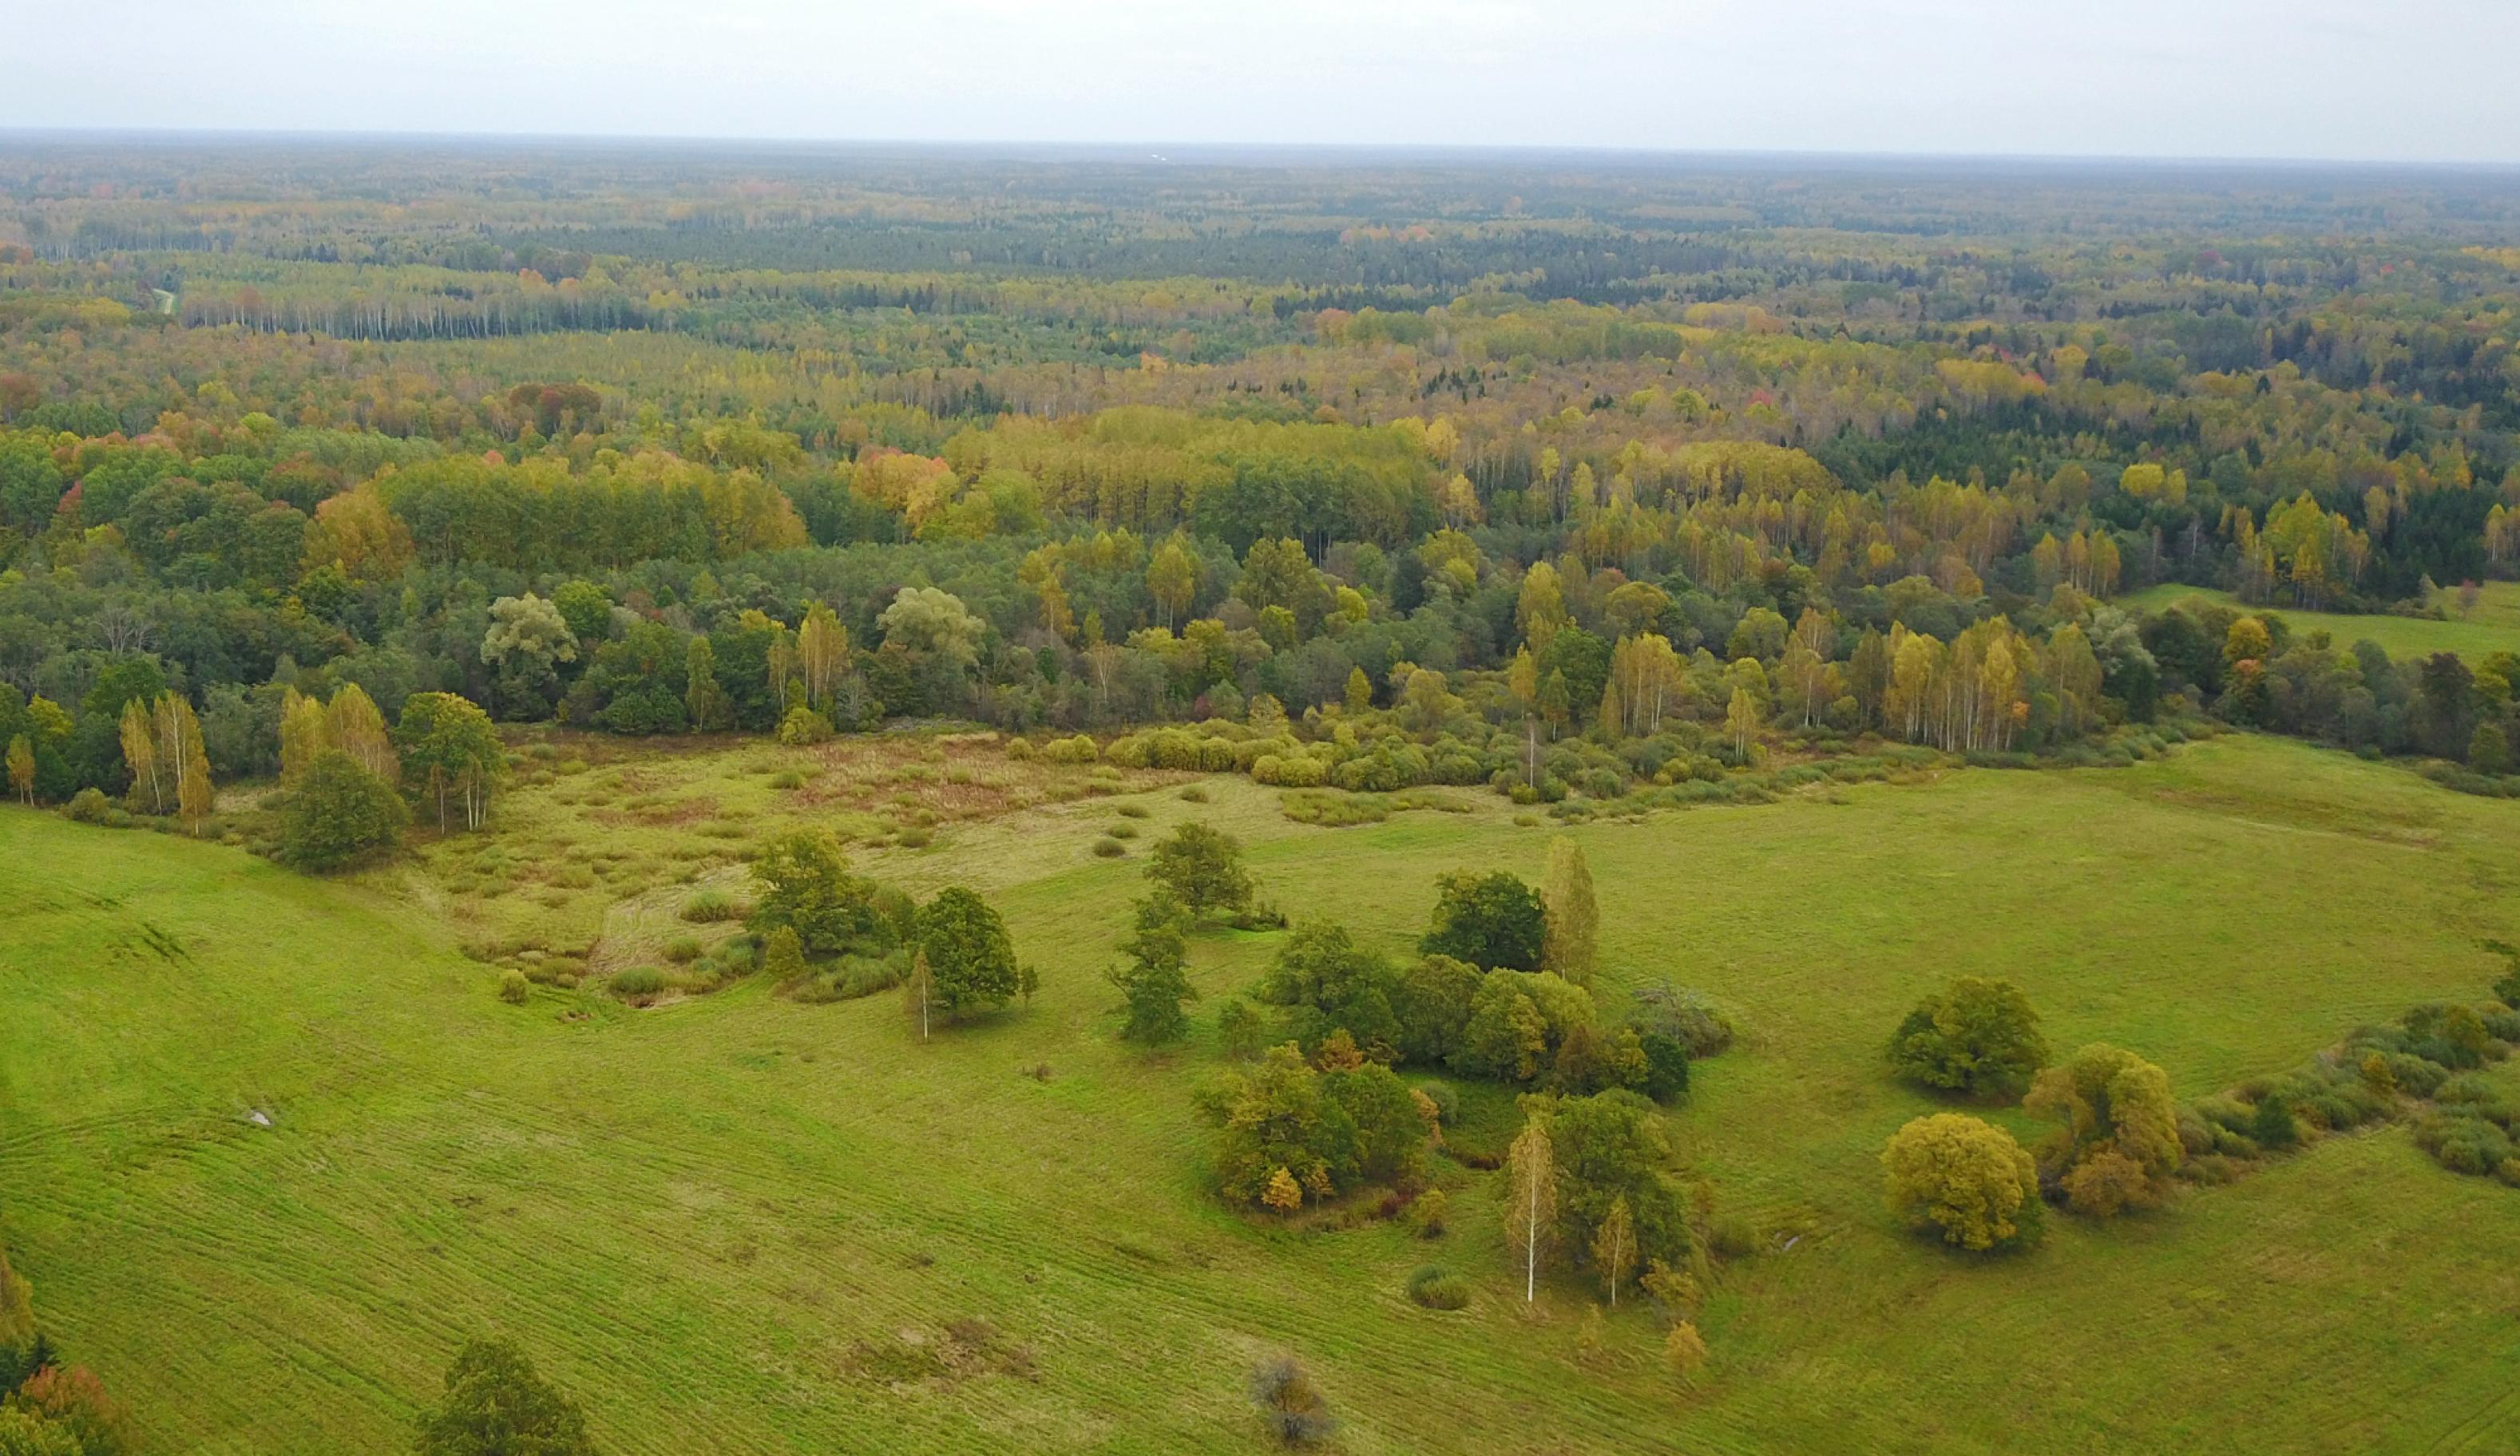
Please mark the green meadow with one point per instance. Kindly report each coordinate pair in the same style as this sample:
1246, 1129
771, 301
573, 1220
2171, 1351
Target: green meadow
736, 1223
2491, 625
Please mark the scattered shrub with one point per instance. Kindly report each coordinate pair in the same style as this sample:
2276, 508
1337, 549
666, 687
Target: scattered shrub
1294, 1409
1079, 749
711, 905
1433, 1289
1130, 811
803, 728
682, 949
513, 987
1426, 1213
1684, 1016
89, 805
1192, 793
1107, 848
1684, 1351
638, 981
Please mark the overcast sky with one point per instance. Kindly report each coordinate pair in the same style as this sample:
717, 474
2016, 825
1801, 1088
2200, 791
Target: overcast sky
2396, 79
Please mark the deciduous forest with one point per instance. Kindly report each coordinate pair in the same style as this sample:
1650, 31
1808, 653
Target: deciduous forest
1722, 803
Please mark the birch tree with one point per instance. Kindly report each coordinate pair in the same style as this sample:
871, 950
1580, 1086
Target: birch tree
1531, 1202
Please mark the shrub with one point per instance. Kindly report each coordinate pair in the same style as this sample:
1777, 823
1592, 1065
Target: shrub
1294, 1409
2273, 1126
1122, 831
682, 949
1193, 794
1130, 811
1433, 1289
803, 726
638, 981
1107, 848
787, 778
1240, 1029
711, 905
1079, 749
89, 805
2106, 1183
782, 955
69, 1414
1683, 1015
1298, 772
1684, 1351
1428, 1213
2462, 1142
513, 987
1966, 1176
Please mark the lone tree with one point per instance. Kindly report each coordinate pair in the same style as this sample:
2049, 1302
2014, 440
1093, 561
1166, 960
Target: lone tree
967, 950
1974, 1037
1494, 921
1574, 919
337, 812
1531, 1200
1202, 866
1155, 982
496, 1405
1966, 1176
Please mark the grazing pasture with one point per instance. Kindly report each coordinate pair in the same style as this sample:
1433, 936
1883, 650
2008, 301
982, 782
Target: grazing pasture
739, 1223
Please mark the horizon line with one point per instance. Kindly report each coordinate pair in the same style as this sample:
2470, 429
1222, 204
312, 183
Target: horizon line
1154, 148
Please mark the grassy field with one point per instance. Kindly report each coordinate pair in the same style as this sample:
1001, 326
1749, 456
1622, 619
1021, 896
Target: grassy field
2492, 625
739, 1224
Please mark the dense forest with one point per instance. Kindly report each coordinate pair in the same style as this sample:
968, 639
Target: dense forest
1579, 479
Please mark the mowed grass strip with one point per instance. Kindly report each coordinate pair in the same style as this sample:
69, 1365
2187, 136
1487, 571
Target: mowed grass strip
739, 1224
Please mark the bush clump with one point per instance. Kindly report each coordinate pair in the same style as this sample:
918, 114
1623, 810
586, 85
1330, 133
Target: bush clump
1295, 1410
637, 982
1432, 1288
90, 806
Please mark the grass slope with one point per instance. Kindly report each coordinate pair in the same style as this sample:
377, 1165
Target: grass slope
743, 1225
2493, 626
